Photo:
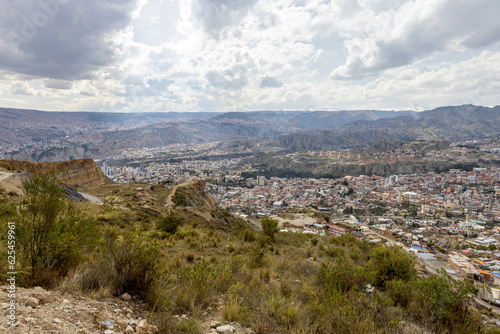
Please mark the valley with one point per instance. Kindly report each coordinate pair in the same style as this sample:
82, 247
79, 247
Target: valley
203, 221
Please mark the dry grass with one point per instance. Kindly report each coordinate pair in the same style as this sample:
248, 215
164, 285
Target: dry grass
273, 285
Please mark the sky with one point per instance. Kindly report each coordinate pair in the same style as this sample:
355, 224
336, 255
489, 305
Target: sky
241, 55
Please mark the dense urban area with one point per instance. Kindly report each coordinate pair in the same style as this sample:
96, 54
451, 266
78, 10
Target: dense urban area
431, 206
451, 215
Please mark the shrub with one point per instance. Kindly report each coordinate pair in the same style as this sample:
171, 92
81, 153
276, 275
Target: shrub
125, 263
257, 259
269, 227
444, 300
52, 232
7, 210
343, 277
392, 263
170, 223
248, 236
195, 287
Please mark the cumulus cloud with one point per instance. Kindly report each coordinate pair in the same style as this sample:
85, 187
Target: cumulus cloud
228, 79
237, 54
58, 84
60, 39
414, 31
215, 15
272, 82
22, 88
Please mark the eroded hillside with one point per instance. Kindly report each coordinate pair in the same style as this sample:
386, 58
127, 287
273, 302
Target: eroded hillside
81, 172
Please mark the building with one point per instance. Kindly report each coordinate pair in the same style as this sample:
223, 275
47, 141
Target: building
261, 180
336, 230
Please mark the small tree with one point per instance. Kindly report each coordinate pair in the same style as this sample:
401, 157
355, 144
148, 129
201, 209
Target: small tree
392, 263
269, 226
52, 232
170, 223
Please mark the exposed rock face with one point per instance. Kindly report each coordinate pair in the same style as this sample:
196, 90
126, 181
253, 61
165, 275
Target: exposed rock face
284, 166
82, 172
193, 194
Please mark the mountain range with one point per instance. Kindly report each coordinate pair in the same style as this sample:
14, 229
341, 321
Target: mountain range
97, 135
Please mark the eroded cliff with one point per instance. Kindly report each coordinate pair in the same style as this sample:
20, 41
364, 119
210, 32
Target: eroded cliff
81, 172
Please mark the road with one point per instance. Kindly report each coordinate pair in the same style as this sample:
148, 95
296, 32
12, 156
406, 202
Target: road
4, 175
92, 198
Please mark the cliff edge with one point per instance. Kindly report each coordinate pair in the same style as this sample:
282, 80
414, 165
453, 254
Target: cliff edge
81, 172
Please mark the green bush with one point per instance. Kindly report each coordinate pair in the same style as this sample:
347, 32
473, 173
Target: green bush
52, 232
248, 236
392, 263
7, 210
444, 300
195, 287
125, 263
269, 227
343, 277
170, 223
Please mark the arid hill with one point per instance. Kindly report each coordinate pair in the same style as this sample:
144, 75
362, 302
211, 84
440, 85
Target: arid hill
82, 172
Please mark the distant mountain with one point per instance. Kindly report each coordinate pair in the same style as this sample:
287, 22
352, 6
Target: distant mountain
97, 135
454, 123
22, 126
156, 135
451, 123
71, 118
330, 119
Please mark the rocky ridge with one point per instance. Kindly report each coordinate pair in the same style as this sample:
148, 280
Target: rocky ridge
81, 172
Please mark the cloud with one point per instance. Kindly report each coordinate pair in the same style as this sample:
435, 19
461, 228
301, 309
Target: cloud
22, 88
414, 31
272, 82
61, 39
248, 55
58, 84
215, 15
228, 79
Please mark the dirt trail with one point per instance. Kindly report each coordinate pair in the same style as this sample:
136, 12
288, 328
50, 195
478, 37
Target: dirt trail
168, 200
11, 182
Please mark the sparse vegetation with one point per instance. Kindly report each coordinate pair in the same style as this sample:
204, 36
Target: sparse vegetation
52, 233
197, 259
269, 226
170, 223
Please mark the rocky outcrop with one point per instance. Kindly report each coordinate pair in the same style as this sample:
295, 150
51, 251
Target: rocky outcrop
285, 166
82, 172
193, 194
